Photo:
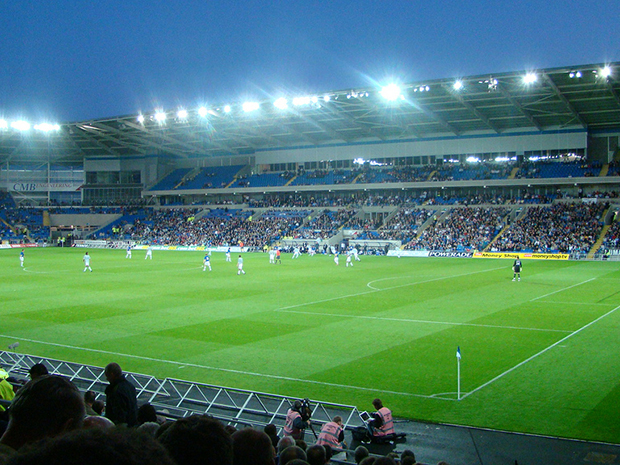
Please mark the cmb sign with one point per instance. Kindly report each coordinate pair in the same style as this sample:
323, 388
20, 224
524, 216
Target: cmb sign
45, 186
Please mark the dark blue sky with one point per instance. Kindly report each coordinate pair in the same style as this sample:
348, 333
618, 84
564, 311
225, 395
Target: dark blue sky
65, 61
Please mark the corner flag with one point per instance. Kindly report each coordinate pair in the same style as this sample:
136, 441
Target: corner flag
458, 352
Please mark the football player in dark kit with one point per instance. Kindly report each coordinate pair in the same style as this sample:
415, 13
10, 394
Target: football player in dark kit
516, 268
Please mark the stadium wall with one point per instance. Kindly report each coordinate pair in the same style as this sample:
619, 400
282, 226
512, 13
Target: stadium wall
519, 143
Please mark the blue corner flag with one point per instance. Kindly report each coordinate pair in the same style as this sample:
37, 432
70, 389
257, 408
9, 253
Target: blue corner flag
458, 352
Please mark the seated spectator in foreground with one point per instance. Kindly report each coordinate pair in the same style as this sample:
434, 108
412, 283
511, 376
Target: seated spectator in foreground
272, 432
407, 453
118, 446
291, 453
89, 400
316, 455
252, 447
37, 370
98, 407
45, 407
283, 443
360, 454
146, 413
97, 421
198, 439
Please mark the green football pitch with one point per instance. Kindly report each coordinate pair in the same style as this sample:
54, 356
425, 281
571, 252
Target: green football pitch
541, 355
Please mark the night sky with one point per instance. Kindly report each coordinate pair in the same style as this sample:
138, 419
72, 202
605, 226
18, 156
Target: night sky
63, 61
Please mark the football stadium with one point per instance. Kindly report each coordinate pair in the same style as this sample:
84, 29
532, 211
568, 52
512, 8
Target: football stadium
449, 247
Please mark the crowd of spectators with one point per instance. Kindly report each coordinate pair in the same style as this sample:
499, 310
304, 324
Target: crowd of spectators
326, 224
50, 421
464, 228
563, 227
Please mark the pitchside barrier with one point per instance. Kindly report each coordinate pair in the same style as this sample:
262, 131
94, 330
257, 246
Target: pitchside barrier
175, 398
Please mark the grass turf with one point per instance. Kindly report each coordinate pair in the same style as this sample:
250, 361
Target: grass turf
538, 356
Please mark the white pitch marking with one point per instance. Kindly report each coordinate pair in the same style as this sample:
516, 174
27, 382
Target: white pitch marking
226, 370
563, 289
424, 282
407, 320
555, 344
575, 303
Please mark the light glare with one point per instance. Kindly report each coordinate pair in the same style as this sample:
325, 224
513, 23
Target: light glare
202, 111
390, 92
182, 114
281, 103
530, 78
250, 106
20, 125
458, 85
47, 127
160, 116
3, 124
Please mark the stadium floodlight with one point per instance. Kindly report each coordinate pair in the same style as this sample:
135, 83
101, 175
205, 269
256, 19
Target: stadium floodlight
182, 114
574, 74
202, 111
390, 92
315, 99
326, 98
281, 103
297, 101
606, 72
227, 109
3, 124
20, 125
530, 78
250, 106
47, 127
141, 119
473, 160
160, 117
458, 85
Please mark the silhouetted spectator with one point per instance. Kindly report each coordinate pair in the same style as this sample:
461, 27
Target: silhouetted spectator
118, 446
121, 405
316, 455
360, 454
89, 400
272, 432
45, 407
252, 447
198, 439
291, 453
37, 370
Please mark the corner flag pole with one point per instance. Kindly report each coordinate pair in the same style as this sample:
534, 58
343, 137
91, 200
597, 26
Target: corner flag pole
458, 372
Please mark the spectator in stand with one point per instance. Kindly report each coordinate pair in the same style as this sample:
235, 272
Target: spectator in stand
360, 454
37, 370
44, 408
198, 439
118, 446
252, 447
89, 400
121, 405
272, 432
291, 453
316, 455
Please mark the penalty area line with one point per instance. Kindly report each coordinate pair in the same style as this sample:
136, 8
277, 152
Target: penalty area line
441, 278
225, 370
562, 290
555, 344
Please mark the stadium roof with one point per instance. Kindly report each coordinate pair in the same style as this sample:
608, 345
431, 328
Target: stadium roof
578, 97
